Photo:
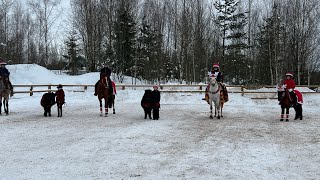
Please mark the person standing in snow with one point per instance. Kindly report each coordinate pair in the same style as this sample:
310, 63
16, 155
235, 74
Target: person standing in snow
4, 73
60, 99
155, 102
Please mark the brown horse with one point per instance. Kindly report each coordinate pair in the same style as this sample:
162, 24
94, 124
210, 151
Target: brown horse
5, 94
103, 93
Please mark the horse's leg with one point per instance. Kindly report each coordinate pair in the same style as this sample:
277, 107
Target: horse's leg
300, 112
218, 109
145, 112
210, 110
100, 101
6, 105
282, 114
114, 111
49, 111
106, 106
298, 109
0, 105
149, 113
215, 111
45, 111
287, 114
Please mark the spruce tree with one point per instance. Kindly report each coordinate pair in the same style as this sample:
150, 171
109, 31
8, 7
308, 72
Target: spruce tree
124, 42
72, 54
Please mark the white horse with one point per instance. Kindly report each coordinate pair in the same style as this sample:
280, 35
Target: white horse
214, 96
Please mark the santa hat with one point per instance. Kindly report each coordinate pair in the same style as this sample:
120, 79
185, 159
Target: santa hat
216, 65
289, 74
155, 87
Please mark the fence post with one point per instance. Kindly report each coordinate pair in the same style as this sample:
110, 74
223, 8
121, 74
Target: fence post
31, 90
123, 87
85, 88
49, 88
200, 87
242, 90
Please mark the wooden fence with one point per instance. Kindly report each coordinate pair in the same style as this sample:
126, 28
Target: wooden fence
165, 88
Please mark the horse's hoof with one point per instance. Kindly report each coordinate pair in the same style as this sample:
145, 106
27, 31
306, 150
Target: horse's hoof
114, 112
287, 119
210, 117
218, 117
281, 119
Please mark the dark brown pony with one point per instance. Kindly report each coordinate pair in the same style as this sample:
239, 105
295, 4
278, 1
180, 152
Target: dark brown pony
111, 102
285, 103
103, 93
5, 94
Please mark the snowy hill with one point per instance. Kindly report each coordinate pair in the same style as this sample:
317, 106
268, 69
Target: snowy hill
35, 74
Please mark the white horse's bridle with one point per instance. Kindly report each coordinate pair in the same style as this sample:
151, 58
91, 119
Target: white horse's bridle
213, 85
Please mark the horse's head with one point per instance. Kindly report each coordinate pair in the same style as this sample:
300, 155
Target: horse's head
212, 80
285, 99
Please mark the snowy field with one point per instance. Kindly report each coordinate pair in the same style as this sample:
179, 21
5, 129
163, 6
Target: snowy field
249, 142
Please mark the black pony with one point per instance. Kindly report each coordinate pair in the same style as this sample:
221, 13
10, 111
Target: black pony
286, 102
146, 103
47, 101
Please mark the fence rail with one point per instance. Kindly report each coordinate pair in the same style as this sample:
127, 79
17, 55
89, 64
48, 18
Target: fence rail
165, 88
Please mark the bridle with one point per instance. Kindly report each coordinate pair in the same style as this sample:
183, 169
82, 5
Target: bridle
213, 84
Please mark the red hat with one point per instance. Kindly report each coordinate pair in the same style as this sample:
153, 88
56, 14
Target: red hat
216, 65
155, 87
289, 74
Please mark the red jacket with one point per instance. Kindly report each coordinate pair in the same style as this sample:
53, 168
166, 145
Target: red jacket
114, 88
60, 96
290, 83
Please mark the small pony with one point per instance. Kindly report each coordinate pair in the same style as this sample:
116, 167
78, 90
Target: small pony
112, 97
47, 101
103, 93
146, 103
5, 94
215, 96
286, 102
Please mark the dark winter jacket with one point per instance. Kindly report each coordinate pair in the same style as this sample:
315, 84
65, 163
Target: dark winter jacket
60, 97
147, 101
219, 76
4, 72
156, 98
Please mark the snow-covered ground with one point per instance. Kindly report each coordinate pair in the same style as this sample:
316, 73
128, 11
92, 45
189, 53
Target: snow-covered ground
249, 142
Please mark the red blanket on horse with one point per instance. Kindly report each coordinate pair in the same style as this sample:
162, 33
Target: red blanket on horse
299, 96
